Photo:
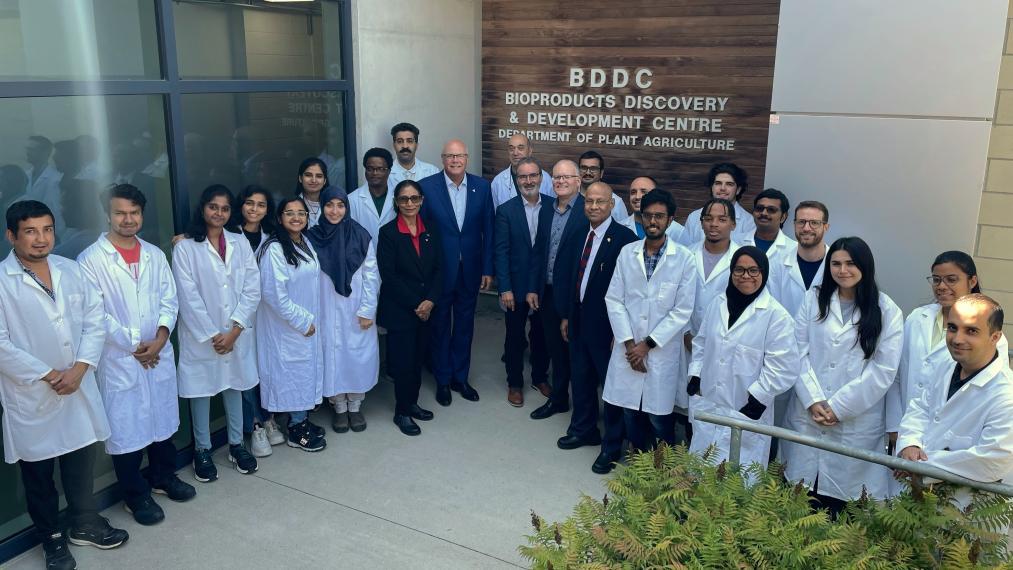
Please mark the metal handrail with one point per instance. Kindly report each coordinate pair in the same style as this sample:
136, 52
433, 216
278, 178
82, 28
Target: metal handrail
916, 467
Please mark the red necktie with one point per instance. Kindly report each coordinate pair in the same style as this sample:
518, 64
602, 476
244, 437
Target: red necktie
584, 257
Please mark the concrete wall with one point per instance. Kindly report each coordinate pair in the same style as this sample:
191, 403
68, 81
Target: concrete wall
994, 250
884, 113
418, 62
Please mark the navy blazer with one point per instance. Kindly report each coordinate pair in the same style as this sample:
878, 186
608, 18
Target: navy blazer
564, 271
472, 244
593, 325
406, 278
514, 248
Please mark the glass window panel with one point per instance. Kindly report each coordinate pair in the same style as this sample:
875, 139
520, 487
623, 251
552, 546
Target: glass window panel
65, 151
237, 139
258, 40
78, 39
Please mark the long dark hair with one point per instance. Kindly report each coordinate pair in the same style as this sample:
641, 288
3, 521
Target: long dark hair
964, 262
870, 322
292, 253
306, 163
198, 227
237, 221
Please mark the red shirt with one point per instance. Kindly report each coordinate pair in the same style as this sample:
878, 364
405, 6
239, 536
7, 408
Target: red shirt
132, 257
403, 228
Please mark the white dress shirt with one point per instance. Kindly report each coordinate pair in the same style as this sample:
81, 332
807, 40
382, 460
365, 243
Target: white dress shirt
599, 236
418, 171
458, 198
531, 213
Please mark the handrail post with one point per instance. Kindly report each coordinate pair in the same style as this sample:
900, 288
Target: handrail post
735, 447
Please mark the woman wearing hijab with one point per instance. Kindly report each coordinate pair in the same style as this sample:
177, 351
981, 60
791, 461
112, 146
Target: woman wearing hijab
743, 357
349, 292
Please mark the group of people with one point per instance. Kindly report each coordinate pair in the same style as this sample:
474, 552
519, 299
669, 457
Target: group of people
280, 307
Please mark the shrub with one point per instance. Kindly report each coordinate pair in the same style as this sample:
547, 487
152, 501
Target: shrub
673, 509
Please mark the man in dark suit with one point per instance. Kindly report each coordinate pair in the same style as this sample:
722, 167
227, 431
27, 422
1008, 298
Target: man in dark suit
516, 227
459, 206
553, 267
586, 326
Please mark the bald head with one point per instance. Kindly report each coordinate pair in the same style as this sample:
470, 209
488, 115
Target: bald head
455, 159
519, 147
598, 203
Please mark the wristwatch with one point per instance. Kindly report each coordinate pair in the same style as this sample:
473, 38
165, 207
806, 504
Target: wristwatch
651, 343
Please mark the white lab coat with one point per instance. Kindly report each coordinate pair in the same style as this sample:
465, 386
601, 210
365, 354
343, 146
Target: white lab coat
503, 187
757, 356
919, 361
659, 308
786, 283
833, 368
38, 335
971, 434
212, 294
141, 404
745, 227
289, 362
351, 356
673, 232
708, 288
362, 210
782, 246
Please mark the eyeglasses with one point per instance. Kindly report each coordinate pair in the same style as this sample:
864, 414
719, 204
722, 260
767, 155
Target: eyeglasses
651, 217
454, 156
562, 177
376, 169
950, 280
413, 199
529, 177
590, 168
766, 209
295, 213
597, 202
814, 224
739, 271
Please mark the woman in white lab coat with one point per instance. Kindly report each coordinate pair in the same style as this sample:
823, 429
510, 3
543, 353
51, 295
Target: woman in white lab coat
743, 356
348, 295
219, 289
850, 337
288, 348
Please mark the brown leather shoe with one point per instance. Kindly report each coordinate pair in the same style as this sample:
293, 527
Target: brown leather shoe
544, 388
515, 397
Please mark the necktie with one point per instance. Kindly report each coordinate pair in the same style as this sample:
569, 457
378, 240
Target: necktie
584, 257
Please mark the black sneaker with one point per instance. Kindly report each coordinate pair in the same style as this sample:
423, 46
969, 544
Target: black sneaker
98, 534
58, 556
145, 510
243, 460
204, 469
302, 436
314, 428
175, 489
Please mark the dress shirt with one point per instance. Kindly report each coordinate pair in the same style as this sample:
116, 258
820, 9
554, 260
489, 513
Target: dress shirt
531, 213
599, 236
458, 198
556, 235
418, 171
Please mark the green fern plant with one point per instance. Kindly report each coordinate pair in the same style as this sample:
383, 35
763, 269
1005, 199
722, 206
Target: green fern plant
673, 509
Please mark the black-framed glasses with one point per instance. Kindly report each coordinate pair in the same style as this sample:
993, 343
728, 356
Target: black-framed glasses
814, 224
590, 168
376, 169
413, 199
739, 271
657, 216
950, 280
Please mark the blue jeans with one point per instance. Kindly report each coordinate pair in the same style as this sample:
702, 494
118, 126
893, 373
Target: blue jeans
253, 412
297, 417
200, 414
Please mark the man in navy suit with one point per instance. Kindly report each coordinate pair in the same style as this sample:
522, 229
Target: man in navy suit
516, 227
561, 226
587, 328
459, 206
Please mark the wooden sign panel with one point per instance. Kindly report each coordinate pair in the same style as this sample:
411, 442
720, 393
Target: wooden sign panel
664, 88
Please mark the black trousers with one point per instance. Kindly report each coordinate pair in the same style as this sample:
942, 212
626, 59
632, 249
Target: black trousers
644, 430
44, 500
514, 345
406, 350
587, 378
161, 468
558, 351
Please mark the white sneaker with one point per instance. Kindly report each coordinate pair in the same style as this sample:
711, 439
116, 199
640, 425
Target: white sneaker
274, 435
259, 445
